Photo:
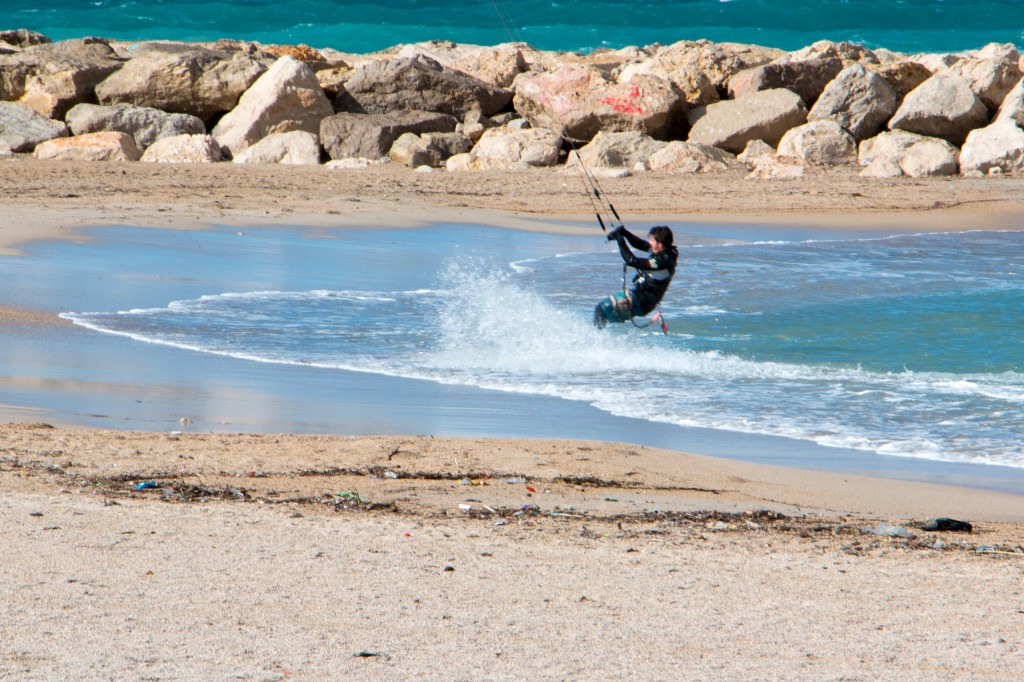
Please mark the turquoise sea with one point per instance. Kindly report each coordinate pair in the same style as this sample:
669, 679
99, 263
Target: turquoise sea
360, 26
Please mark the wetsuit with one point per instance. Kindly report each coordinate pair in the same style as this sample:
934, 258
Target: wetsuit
651, 282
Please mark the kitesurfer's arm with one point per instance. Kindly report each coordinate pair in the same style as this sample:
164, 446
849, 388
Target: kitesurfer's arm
634, 241
647, 264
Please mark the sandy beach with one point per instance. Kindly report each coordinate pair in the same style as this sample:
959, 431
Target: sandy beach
395, 556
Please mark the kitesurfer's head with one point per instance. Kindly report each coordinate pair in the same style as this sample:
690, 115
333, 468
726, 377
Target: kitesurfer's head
660, 238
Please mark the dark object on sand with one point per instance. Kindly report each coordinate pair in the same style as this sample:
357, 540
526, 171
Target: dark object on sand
948, 524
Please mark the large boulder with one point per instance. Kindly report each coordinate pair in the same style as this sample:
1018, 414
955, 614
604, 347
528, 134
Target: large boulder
617, 150
848, 53
943, 106
990, 78
414, 151
22, 127
857, 99
915, 155
689, 157
1012, 108
145, 124
297, 147
819, 143
679, 64
183, 149
182, 79
581, 101
763, 115
418, 83
1000, 145
498, 65
370, 136
285, 98
21, 38
692, 65
534, 147
53, 77
902, 76
108, 146
807, 78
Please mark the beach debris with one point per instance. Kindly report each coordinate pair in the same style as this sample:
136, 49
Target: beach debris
611, 499
449, 569
502, 522
388, 473
346, 495
366, 654
889, 530
514, 479
147, 485
943, 523
184, 421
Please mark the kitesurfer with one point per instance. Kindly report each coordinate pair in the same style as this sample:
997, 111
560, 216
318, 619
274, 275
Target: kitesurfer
652, 279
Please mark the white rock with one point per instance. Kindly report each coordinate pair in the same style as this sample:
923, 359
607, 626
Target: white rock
754, 150
294, 148
916, 155
777, 168
822, 143
689, 157
535, 147
998, 147
183, 149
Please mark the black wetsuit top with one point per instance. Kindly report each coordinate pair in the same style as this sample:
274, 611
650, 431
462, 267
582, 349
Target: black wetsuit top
654, 273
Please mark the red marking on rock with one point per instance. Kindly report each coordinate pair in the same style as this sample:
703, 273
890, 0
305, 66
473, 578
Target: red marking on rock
626, 105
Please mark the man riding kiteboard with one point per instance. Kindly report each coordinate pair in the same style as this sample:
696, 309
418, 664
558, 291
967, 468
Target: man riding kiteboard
652, 279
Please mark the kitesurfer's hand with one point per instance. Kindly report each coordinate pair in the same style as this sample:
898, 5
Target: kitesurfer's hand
614, 234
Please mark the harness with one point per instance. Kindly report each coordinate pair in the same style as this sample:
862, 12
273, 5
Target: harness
657, 317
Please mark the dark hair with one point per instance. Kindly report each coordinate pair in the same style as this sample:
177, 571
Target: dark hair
662, 234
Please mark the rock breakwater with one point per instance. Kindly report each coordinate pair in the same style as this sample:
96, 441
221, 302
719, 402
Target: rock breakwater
689, 107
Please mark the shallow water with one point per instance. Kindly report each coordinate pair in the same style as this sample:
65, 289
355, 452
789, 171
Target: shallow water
903, 25
907, 346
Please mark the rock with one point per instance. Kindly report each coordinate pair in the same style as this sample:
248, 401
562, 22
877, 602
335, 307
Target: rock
145, 124
998, 146
943, 106
183, 149
297, 147
857, 99
285, 98
902, 76
414, 151
820, 143
581, 101
777, 167
53, 77
534, 147
616, 150
419, 83
309, 56
882, 168
762, 115
449, 144
915, 155
689, 64
22, 38
182, 79
807, 78
370, 136
348, 164
498, 65
332, 79
22, 127
848, 53
679, 65
107, 146
461, 163
936, 62
754, 150
689, 157
990, 78
1012, 108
